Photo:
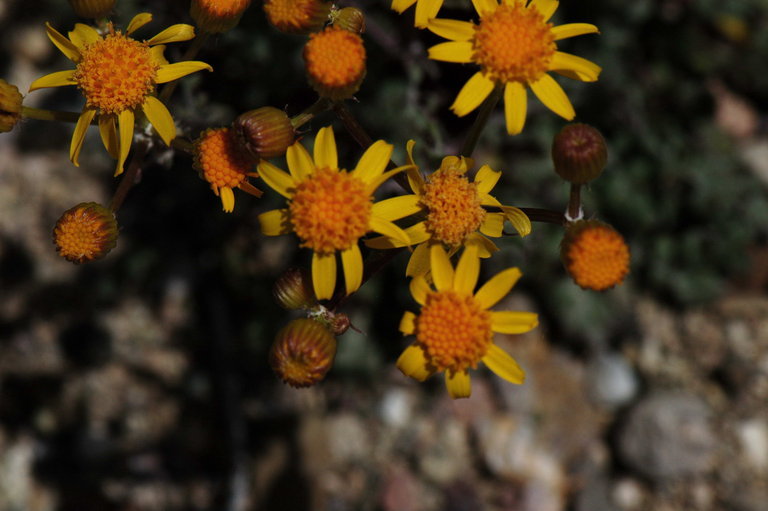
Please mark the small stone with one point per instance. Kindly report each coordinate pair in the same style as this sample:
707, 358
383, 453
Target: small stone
628, 494
611, 380
753, 435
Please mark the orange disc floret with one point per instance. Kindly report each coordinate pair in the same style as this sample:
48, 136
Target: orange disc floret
297, 16
514, 44
85, 233
221, 160
453, 330
335, 62
116, 73
92, 8
330, 210
217, 16
595, 255
302, 353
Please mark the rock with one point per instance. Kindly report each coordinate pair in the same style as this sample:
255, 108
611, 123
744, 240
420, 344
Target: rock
611, 381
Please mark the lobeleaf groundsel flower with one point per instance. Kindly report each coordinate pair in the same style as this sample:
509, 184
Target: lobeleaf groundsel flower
118, 76
594, 254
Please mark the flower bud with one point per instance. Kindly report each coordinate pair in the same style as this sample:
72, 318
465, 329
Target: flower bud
92, 8
85, 233
10, 106
579, 153
297, 16
302, 353
335, 62
594, 254
265, 132
293, 290
349, 18
215, 16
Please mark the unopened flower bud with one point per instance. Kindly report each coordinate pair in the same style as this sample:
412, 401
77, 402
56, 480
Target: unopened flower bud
85, 233
297, 16
215, 16
335, 62
349, 18
92, 8
579, 153
594, 254
10, 106
293, 290
265, 132
302, 353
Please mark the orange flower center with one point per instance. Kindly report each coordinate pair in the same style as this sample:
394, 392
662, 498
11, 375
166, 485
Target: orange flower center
295, 15
223, 8
335, 57
330, 210
454, 210
84, 233
597, 258
116, 73
514, 44
221, 159
453, 331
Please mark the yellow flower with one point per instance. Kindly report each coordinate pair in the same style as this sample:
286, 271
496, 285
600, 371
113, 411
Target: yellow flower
118, 76
514, 45
330, 209
594, 254
85, 233
453, 211
425, 10
454, 330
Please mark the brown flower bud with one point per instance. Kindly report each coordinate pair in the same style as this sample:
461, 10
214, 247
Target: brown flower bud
85, 233
297, 16
265, 132
10, 106
594, 254
579, 153
92, 8
302, 353
349, 18
216, 16
293, 290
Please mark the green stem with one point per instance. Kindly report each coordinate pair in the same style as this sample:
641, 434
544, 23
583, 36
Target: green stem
319, 106
129, 177
350, 123
43, 114
191, 53
480, 121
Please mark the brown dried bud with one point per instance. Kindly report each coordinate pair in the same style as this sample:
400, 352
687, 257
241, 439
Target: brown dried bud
92, 8
302, 353
10, 106
85, 233
293, 290
579, 153
349, 18
216, 16
265, 132
297, 16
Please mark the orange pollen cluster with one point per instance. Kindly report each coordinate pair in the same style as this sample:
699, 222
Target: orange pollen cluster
335, 57
454, 210
85, 233
294, 14
221, 159
116, 73
514, 44
597, 258
223, 8
330, 210
453, 331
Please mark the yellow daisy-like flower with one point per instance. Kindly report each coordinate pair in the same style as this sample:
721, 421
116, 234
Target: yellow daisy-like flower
425, 10
514, 45
329, 208
118, 76
454, 330
453, 211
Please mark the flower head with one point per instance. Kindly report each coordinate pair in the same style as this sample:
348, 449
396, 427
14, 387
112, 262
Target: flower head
302, 353
335, 62
297, 16
579, 153
10, 106
453, 211
92, 8
85, 233
217, 16
118, 76
225, 164
265, 132
514, 45
425, 10
454, 330
329, 208
594, 254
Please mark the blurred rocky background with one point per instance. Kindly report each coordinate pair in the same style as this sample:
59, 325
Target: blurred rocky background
140, 382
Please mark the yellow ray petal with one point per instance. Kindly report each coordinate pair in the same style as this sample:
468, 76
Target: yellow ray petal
373, 162
518, 219
227, 199
515, 107
401, 5
484, 7
493, 225
79, 135
387, 228
553, 96
442, 271
472, 94
408, 323
426, 10
467, 271
419, 289
277, 179
352, 264
137, 22
275, 222
174, 34
125, 130
485, 247
57, 79
300, 163
573, 29
397, 207
83, 35
413, 363
414, 176
458, 383
373, 185
416, 234
454, 30
503, 365
497, 288
546, 7
323, 275
513, 322
486, 178
452, 51
574, 67
158, 55
325, 149
108, 132
170, 72
418, 264
160, 118
62, 43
